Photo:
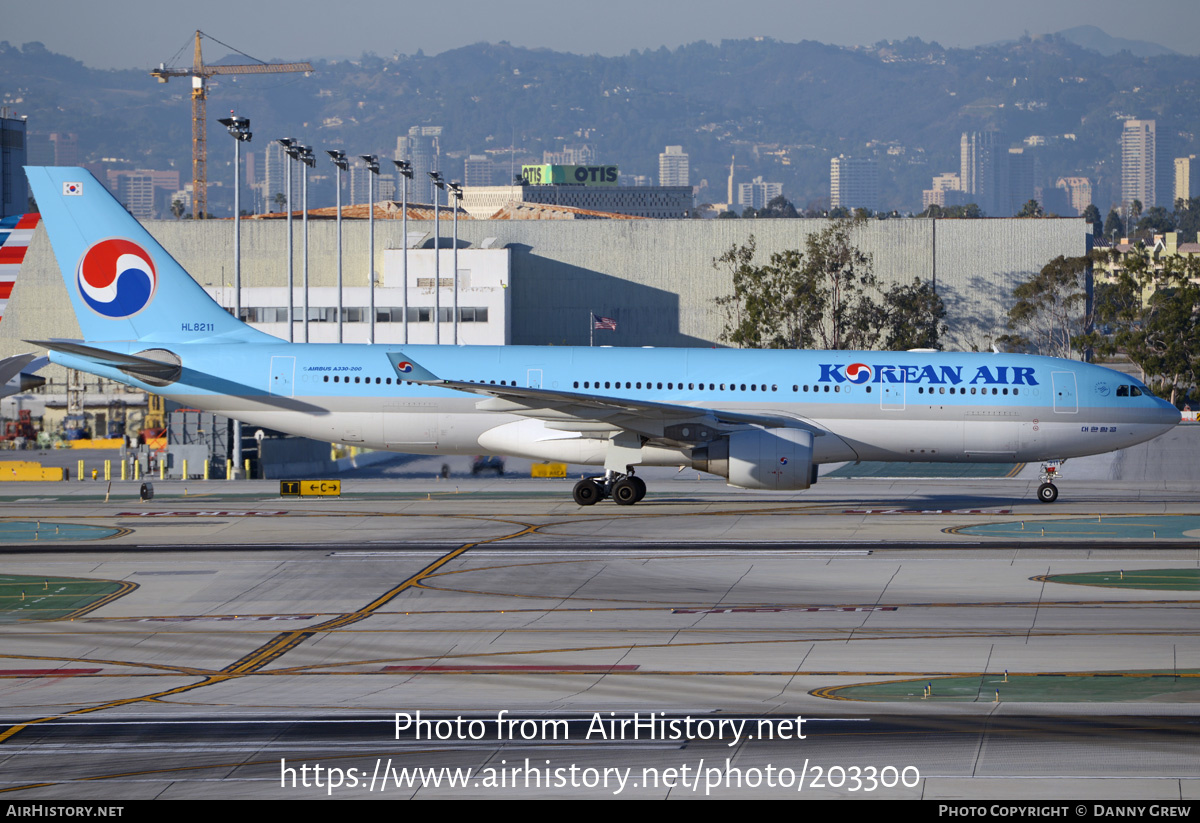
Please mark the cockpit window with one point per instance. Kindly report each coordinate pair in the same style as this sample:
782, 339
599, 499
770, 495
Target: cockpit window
1122, 391
1134, 391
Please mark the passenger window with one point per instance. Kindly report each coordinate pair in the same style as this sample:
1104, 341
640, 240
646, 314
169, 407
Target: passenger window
326, 378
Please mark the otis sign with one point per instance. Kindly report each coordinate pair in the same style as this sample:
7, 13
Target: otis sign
860, 373
547, 174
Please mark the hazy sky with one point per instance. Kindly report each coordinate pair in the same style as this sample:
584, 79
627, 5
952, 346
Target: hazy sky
143, 33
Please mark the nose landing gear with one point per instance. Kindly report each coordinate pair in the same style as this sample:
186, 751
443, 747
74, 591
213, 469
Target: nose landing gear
1047, 492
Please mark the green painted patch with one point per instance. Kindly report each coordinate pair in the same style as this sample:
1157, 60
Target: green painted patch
37, 531
1100, 687
877, 469
1154, 579
28, 598
1142, 527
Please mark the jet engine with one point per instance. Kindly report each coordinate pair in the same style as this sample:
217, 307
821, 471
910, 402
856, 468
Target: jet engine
775, 459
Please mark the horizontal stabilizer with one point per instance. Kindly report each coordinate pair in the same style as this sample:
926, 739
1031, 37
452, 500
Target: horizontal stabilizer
126, 362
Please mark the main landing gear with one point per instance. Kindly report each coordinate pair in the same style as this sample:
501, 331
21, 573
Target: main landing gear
1048, 492
624, 489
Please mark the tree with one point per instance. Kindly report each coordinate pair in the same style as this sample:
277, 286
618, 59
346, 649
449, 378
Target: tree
1187, 218
914, 317
779, 206
1092, 215
1151, 316
1032, 208
1135, 211
1156, 220
1113, 225
727, 215
1049, 315
280, 200
177, 209
825, 296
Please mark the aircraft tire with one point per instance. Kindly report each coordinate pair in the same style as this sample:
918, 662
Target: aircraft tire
1047, 493
625, 492
586, 492
641, 487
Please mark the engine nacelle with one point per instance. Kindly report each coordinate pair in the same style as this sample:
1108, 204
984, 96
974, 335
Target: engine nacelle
775, 459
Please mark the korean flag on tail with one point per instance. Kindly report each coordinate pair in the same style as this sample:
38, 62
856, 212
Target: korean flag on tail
72, 188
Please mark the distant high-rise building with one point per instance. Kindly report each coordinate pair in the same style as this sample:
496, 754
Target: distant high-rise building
421, 147
478, 170
673, 167
757, 193
359, 186
983, 171
66, 148
1078, 190
1022, 182
14, 194
729, 194
853, 183
274, 178
577, 154
1146, 174
1185, 182
945, 191
138, 190
135, 190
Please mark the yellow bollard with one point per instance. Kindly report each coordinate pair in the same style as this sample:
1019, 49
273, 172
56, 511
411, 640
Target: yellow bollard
137, 469
94, 473
124, 468
162, 468
107, 470
997, 700
81, 470
228, 469
184, 476
206, 469
247, 474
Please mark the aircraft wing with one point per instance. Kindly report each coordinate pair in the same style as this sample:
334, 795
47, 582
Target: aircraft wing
582, 412
10, 367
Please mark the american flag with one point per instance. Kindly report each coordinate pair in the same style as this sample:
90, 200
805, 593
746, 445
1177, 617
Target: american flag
599, 322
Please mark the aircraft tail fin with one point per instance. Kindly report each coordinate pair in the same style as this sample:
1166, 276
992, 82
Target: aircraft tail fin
122, 284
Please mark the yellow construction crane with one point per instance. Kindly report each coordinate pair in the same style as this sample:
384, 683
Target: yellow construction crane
199, 74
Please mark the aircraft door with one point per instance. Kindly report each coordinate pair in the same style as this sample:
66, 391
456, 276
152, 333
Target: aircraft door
533, 378
892, 395
1065, 397
283, 373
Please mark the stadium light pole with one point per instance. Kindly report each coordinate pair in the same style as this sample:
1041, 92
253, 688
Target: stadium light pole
404, 171
436, 176
239, 130
290, 152
309, 160
456, 190
339, 160
372, 170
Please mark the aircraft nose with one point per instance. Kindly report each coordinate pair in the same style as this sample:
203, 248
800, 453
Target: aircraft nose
1168, 415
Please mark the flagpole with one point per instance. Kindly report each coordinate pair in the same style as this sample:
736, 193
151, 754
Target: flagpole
591, 329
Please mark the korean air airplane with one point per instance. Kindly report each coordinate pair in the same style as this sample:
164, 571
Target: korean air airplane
761, 419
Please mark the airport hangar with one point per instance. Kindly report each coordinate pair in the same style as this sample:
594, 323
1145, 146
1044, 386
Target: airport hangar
539, 280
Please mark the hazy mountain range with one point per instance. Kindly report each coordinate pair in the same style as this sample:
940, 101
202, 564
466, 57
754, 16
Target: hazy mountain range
783, 109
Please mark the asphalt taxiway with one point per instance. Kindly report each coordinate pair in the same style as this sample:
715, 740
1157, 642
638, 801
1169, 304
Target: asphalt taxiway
920, 624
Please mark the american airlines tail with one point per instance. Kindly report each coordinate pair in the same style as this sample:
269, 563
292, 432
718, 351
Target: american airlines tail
123, 285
